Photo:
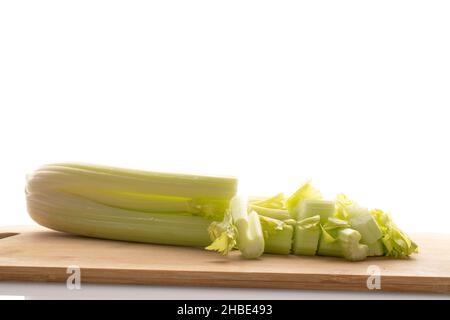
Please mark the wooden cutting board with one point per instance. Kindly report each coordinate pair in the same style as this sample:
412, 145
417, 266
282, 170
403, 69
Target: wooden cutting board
34, 253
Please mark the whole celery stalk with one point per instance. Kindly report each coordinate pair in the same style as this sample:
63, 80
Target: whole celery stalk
130, 205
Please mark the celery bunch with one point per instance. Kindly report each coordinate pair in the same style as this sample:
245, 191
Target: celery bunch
129, 205
204, 211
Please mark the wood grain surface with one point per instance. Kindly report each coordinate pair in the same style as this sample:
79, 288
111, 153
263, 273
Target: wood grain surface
33, 253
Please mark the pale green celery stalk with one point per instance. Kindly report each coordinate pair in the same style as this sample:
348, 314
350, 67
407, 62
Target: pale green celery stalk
351, 248
361, 220
306, 191
329, 247
328, 243
375, 249
279, 214
311, 207
154, 203
250, 238
78, 215
280, 242
306, 236
170, 184
138, 190
343, 243
277, 235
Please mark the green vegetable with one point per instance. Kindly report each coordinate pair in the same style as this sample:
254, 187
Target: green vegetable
351, 248
138, 190
204, 211
130, 205
74, 214
250, 238
311, 207
275, 202
306, 191
277, 235
375, 249
342, 202
279, 214
361, 220
223, 235
328, 244
397, 244
335, 223
306, 237
273, 207
343, 243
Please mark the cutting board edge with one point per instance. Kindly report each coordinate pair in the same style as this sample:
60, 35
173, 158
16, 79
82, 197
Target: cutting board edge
438, 285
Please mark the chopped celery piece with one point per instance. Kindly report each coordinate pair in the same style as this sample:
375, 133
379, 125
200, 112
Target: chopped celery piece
280, 242
311, 223
277, 235
342, 202
306, 236
311, 207
279, 214
223, 235
275, 202
250, 238
351, 248
270, 226
306, 241
397, 244
306, 191
327, 248
333, 223
375, 249
361, 220
342, 242
328, 244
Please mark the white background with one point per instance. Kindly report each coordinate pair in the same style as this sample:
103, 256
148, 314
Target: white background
353, 94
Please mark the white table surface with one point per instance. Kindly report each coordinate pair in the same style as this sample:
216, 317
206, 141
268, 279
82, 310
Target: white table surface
25, 290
